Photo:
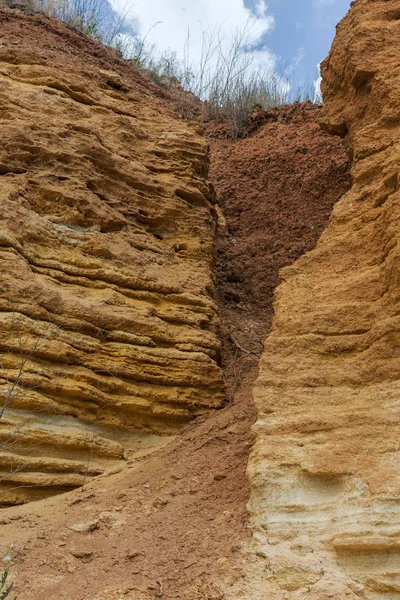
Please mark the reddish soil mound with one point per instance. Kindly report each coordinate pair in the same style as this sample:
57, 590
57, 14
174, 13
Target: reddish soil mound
167, 527
52, 42
276, 189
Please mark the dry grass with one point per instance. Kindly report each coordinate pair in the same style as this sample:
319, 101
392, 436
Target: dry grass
223, 84
226, 78
94, 18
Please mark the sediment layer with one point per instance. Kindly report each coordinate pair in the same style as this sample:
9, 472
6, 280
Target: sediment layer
108, 323
325, 468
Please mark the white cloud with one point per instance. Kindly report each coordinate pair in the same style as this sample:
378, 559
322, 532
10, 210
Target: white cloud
294, 63
260, 9
299, 57
317, 86
170, 22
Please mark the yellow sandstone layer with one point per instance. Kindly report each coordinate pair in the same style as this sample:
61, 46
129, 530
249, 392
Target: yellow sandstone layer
325, 469
108, 327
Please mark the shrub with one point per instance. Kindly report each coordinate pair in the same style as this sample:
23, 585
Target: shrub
94, 18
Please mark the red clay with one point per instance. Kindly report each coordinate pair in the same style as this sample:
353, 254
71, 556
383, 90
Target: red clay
277, 189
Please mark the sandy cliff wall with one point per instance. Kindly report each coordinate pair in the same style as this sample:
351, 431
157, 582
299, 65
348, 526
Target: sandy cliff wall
106, 258
325, 469
174, 522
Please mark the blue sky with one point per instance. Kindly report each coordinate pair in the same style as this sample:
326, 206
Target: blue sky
303, 32
294, 33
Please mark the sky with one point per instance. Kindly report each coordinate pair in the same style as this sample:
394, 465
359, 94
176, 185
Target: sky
292, 35
303, 32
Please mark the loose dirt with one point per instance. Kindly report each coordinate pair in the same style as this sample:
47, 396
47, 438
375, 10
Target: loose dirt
276, 189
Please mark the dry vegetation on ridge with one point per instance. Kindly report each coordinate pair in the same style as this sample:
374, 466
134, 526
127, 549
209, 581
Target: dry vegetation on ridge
223, 84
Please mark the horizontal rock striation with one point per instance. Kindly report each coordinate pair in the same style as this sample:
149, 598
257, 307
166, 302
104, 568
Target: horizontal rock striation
325, 469
108, 324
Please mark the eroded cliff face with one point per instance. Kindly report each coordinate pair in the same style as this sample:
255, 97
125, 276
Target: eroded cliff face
173, 523
106, 258
325, 469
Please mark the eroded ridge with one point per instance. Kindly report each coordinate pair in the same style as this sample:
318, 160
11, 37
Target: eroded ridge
106, 257
325, 469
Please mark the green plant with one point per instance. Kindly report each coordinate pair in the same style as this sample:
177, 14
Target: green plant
5, 588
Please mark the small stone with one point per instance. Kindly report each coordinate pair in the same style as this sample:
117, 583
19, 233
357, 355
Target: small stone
85, 527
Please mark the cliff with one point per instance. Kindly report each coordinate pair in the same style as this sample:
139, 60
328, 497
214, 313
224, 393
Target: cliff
325, 471
173, 523
108, 324
109, 214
